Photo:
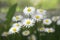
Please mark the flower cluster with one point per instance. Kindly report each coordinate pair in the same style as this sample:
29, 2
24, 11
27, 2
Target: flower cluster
33, 18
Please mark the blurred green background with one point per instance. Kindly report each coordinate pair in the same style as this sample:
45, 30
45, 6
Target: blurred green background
45, 4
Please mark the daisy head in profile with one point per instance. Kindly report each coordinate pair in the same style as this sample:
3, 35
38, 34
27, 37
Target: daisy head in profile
17, 18
41, 11
58, 22
41, 29
49, 30
29, 10
14, 30
19, 24
5, 34
55, 18
26, 33
47, 21
37, 17
28, 22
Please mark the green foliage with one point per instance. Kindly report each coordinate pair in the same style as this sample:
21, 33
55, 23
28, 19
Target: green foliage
10, 14
1, 29
48, 4
4, 26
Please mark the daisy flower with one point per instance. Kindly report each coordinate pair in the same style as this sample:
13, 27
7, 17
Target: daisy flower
17, 18
29, 10
37, 17
19, 24
58, 22
49, 30
26, 33
41, 29
55, 18
28, 22
41, 11
47, 21
13, 30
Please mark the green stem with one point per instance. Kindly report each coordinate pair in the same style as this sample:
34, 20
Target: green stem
37, 33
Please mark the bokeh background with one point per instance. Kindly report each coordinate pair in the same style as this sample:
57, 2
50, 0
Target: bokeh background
52, 6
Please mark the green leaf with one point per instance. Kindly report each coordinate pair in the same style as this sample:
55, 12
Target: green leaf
10, 14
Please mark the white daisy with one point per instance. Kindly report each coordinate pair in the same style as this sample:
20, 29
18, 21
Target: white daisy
41, 29
55, 18
28, 22
13, 30
47, 21
41, 11
29, 10
17, 18
49, 30
26, 33
58, 22
37, 17
17, 25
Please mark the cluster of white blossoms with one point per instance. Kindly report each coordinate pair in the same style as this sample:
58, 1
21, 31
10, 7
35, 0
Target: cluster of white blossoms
33, 16
48, 30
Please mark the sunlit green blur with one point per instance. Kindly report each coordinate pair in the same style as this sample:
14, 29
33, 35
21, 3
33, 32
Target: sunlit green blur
45, 4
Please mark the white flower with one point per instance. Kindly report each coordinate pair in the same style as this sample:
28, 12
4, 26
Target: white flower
28, 22
5, 34
26, 33
49, 30
13, 30
47, 21
58, 22
17, 18
32, 37
17, 25
37, 17
41, 29
29, 10
55, 18
41, 11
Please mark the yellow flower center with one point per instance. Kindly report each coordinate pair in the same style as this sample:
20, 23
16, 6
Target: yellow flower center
29, 9
47, 21
41, 10
17, 17
14, 29
17, 24
28, 22
37, 17
41, 28
26, 32
49, 30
